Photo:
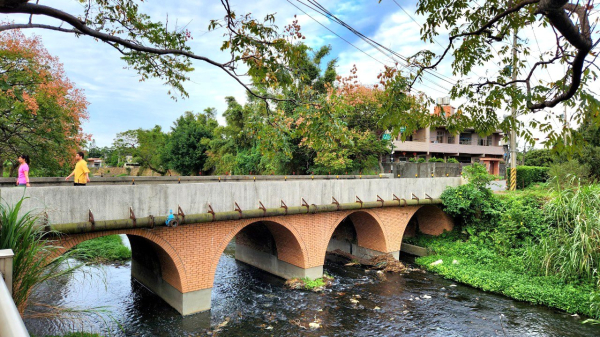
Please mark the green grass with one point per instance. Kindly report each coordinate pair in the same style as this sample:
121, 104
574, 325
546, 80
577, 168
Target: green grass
311, 284
104, 249
486, 270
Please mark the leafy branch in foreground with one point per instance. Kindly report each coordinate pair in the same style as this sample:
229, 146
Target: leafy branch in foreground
480, 35
154, 49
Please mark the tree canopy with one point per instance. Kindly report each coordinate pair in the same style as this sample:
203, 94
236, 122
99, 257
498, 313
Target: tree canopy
480, 33
41, 110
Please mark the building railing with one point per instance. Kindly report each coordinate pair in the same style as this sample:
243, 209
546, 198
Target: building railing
11, 323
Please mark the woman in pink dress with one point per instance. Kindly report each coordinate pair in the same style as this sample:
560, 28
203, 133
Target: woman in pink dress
23, 177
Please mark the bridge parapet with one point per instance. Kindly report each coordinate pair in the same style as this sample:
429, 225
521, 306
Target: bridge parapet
69, 204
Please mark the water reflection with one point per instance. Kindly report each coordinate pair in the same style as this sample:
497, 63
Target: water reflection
248, 302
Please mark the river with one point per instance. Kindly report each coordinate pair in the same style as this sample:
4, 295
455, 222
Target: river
249, 302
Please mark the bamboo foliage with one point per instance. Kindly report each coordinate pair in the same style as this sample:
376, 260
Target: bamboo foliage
572, 250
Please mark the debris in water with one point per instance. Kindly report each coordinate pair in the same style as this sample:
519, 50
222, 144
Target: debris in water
454, 262
384, 262
435, 263
426, 297
314, 325
377, 308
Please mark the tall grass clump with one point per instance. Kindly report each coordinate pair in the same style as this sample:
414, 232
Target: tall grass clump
571, 250
35, 256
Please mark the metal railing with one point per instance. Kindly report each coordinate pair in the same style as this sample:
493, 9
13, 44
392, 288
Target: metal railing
11, 323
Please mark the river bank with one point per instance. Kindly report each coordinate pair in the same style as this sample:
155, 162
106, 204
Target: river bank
539, 245
247, 301
103, 250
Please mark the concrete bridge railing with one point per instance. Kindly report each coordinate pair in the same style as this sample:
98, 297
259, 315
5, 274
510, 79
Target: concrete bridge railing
70, 204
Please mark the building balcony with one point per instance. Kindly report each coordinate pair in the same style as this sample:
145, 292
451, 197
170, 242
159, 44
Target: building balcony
451, 149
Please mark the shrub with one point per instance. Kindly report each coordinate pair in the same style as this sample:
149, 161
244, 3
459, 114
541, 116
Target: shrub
412, 160
539, 157
452, 160
470, 206
436, 160
421, 160
477, 175
527, 175
523, 222
569, 173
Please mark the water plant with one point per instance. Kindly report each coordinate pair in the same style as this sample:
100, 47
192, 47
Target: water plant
36, 257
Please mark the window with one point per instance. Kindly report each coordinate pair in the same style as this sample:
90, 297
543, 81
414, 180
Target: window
440, 137
489, 141
451, 139
465, 139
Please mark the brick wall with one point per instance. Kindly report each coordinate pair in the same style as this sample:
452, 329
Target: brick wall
189, 254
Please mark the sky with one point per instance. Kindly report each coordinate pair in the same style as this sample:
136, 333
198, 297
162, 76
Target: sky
120, 102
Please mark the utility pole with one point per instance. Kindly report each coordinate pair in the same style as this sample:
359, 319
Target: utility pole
565, 125
513, 131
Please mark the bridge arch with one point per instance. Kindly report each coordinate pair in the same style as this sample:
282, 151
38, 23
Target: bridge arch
428, 219
369, 229
289, 248
167, 264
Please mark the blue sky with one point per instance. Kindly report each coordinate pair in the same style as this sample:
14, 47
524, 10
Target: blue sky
120, 102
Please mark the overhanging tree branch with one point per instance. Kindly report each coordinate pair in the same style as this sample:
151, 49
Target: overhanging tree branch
80, 27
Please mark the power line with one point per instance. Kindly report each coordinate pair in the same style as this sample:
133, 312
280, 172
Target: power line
540, 49
323, 11
368, 39
353, 45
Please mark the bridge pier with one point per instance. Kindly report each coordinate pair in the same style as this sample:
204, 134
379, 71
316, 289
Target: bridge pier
185, 303
271, 264
356, 250
150, 265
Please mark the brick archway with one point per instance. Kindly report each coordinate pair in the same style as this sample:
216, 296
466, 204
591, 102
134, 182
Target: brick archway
371, 232
431, 220
172, 266
288, 241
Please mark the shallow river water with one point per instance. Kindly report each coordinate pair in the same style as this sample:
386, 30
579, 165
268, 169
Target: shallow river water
249, 302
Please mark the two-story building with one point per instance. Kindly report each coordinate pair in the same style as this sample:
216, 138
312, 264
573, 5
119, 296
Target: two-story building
466, 147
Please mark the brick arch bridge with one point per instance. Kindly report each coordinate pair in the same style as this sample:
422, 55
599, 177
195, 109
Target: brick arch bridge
179, 263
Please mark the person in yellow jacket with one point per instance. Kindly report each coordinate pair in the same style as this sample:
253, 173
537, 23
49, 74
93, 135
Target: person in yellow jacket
81, 171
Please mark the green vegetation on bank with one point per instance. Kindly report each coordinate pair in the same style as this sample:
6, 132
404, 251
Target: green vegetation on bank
540, 245
486, 269
104, 249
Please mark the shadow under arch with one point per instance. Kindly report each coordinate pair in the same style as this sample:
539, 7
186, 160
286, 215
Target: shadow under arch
360, 233
428, 219
154, 262
270, 245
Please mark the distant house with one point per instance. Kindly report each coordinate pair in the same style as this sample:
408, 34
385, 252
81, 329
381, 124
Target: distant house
466, 147
95, 162
129, 162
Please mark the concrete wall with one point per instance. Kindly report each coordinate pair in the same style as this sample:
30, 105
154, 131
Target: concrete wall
66, 204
